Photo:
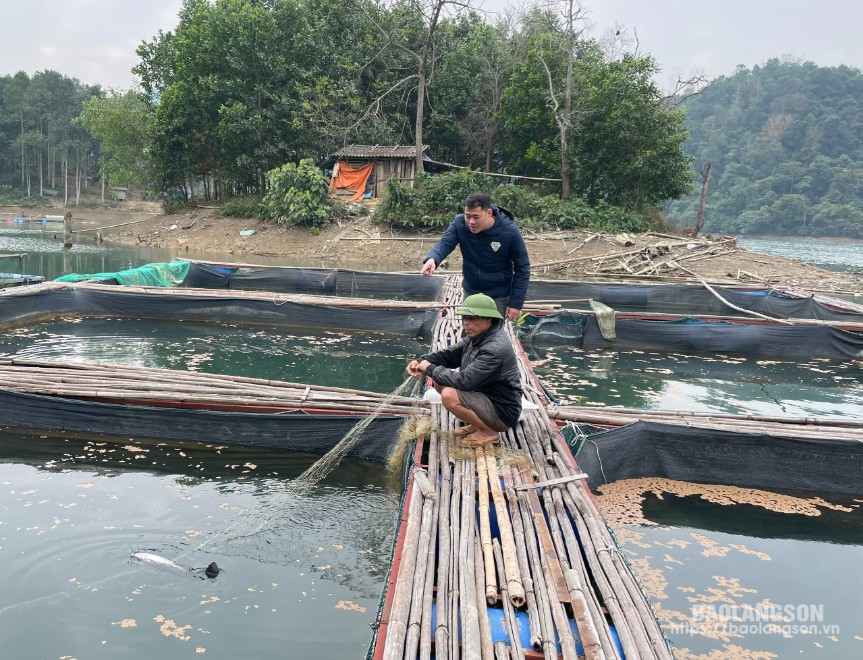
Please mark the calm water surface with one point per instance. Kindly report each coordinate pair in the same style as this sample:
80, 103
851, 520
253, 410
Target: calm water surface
308, 585
839, 256
702, 383
703, 561
302, 575
366, 361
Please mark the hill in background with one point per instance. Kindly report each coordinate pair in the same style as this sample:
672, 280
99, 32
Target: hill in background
786, 142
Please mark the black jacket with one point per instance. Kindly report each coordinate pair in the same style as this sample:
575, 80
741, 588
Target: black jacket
488, 365
495, 261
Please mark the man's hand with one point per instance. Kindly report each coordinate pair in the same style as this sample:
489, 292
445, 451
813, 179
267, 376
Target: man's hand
416, 368
428, 268
512, 314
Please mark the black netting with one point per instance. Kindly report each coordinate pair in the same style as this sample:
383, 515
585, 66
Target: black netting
33, 306
321, 281
298, 432
789, 342
747, 460
687, 299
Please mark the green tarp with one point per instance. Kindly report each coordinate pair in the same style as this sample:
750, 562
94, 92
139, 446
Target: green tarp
165, 275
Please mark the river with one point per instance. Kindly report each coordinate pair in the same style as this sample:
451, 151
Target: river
838, 256
303, 574
296, 567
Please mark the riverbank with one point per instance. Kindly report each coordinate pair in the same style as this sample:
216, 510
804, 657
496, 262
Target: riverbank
363, 244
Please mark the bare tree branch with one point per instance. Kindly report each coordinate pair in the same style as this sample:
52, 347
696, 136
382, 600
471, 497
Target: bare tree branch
684, 88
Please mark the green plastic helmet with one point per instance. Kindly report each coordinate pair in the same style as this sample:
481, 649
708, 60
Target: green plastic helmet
479, 304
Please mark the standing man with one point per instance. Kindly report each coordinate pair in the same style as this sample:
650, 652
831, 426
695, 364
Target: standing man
493, 251
485, 392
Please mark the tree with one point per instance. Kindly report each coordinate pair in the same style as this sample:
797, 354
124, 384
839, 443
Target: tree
469, 81
705, 182
565, 117
121, 124
628, 149
417, 45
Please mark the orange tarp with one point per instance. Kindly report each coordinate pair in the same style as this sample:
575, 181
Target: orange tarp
352, 178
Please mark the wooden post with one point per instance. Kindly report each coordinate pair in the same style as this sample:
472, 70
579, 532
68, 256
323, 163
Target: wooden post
67, 230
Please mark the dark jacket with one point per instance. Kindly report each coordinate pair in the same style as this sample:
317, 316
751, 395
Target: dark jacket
499, 273
488, 365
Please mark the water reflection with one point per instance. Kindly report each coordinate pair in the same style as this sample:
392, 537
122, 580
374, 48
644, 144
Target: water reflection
702, 383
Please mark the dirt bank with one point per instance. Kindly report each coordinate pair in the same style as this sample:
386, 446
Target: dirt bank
364, 244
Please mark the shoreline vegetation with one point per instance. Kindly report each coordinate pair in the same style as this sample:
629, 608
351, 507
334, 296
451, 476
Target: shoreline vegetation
366, 245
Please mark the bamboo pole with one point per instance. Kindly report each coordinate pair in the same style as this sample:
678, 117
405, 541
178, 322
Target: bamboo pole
397, 627
546, 618
442, 630
512, 575
163, 373
512, 626
264, 296
470, 635
419, 573
523, 566
486, 647
573, 412
646, 633
590, 621
485, 527
454, 566
425, 633
848, 431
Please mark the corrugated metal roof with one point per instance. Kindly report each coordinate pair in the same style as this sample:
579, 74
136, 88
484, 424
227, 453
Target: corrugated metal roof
378, 151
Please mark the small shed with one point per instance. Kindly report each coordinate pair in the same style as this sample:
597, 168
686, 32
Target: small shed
381, 161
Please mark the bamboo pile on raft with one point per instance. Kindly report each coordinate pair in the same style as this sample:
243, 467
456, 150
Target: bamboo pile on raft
797, 427
142, 385
551, 548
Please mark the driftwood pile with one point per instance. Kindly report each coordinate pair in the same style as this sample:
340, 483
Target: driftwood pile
660, 258
552, 555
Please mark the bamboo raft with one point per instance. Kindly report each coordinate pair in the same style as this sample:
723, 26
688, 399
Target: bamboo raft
153, 386
799, 427
552, 554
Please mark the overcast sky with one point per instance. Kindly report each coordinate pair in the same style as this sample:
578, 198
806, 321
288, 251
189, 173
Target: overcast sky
95, 40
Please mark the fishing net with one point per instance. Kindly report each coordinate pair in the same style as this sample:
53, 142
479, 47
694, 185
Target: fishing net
604, 319
259, 532
329, 461
786, 342
319, 281
687, 299
715, 456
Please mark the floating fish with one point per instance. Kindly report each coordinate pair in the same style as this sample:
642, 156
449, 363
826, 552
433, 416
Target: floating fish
165, 564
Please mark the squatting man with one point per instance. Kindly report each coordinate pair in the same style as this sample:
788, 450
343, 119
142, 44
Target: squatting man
485, 391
